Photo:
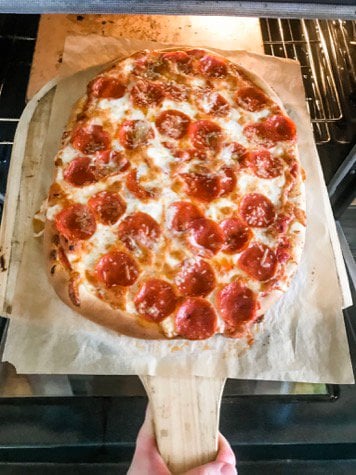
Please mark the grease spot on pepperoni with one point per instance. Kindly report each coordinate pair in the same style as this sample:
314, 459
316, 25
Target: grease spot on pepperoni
135, 133
136, 189
227, 181
202, 187
80, 172
264, 164
274, 129
196, 319
237, 305
257, 210
110, 162
251, 98
107, 207
106, 87
172, 123
145, 93
236, 235
76, 222
155, 300
213, 67
139, 229
259, 262
206, 236
196, 278
183, 214
117, 268
205, 134
196, 53
90, 139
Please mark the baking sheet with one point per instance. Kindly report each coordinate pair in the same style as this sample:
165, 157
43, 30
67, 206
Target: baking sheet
302, 338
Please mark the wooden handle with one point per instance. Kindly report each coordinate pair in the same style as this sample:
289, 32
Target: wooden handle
185, 414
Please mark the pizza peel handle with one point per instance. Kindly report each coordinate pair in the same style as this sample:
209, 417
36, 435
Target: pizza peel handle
186, 418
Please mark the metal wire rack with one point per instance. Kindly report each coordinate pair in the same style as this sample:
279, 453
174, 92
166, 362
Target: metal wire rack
326, 51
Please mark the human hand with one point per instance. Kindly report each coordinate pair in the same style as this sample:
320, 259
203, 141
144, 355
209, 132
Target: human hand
148, 461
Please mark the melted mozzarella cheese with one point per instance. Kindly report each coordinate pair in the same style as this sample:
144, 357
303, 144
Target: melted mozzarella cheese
184, 107
271, 188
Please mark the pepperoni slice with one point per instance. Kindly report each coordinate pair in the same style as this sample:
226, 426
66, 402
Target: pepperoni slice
190, 154
173, 124
90, 139
139, 229
213, 67
110, 162
175, 92
117, 268
281, 222
196, 53
227, 181
238, 152
183, 214
196, 319
76, 222
206, 236
136, 189
251, 98
80, 172
135, 133
196, 278
155, 300
107, 206
237, 305
105, 87
271, 130
283, 250
264, 165
202, 187
257, 210
146, 93
180, 59
205, 134
217, 105
236, 235
259, 262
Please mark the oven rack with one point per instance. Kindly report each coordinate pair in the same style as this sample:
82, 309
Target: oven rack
326, 51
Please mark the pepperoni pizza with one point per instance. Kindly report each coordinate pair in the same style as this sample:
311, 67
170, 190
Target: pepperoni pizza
177, 207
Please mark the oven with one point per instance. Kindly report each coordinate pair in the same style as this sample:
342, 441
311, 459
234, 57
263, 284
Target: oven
89, 423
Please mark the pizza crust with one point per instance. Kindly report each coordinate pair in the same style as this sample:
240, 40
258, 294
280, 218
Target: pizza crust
102, 313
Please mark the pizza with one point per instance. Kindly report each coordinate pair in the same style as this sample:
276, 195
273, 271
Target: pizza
177, 208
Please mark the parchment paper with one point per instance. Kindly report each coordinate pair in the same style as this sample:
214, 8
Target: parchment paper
302, 338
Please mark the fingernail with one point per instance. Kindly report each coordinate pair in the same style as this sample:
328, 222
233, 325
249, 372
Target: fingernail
228, 469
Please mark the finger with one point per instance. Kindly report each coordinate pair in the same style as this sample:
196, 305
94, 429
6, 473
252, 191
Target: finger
225, 452
213, 468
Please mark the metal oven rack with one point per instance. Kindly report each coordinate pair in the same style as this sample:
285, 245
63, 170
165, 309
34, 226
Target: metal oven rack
326, 51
